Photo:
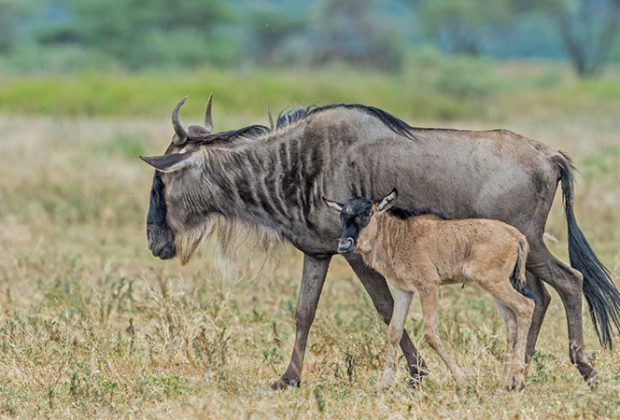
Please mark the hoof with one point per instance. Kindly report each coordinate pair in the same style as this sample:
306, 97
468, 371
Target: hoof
414, 382
462, 386
588, 373
509, 383
592, 380
461, 382
285, 382
519, 384
385, 386
508, 386
387, 381
514, 383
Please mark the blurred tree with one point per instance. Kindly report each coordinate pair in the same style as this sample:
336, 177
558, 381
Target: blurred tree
351, 31
143, 32
461, 26
271, 29
587, 27
11, 12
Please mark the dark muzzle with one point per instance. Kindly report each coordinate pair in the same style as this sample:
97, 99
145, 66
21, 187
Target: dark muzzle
345, 245
160, 241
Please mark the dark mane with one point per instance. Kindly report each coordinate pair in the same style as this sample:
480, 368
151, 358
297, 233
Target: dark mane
405, 214
293, 115
395, 124
231, 135
290, 116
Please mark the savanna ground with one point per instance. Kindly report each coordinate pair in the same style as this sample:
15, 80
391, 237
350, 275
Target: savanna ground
92, 325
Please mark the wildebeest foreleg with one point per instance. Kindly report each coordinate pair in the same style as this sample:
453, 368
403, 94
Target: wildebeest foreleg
541, 303
312, 280
377, 288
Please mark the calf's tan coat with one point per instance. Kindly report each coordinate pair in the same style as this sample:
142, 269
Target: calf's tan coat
421, 253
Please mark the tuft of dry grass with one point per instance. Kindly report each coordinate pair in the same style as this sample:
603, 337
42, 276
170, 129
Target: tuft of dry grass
92, 325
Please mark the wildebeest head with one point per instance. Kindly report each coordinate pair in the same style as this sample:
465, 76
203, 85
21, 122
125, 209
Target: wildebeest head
173, 166
357, 214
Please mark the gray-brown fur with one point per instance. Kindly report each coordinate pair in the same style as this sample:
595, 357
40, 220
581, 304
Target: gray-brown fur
273, 182
422, 252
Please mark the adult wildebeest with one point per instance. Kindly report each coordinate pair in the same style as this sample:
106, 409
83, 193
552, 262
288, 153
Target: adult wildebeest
418, 250
273, 180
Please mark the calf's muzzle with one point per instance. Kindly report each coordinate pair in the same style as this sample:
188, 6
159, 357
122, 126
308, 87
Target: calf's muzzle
345, 245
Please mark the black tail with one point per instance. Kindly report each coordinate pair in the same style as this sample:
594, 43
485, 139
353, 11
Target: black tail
517, 278
601, 294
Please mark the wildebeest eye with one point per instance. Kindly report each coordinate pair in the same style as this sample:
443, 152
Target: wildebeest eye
361, 220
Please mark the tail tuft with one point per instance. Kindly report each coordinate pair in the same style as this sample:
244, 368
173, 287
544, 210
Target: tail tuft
598, 287
517, 278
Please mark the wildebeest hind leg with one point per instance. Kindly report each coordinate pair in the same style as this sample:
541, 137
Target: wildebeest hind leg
568, 282
541, 303
377, 288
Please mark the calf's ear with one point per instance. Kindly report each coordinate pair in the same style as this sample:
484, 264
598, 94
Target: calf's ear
333, 205
388, 201
171, 162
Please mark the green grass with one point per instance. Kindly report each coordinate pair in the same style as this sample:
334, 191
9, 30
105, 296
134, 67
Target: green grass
430, 87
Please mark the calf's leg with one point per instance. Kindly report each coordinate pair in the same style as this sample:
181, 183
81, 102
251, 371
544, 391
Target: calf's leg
524, 319
379, 293
522, 309
428, 299
402, 300
511, 340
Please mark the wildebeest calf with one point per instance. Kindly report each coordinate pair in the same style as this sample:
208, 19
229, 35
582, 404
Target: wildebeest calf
419, 250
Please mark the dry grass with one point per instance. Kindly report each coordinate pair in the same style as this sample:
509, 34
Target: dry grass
92, 325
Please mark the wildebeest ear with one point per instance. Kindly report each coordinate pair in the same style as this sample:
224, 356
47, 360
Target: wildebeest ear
170, 162
333, 205
388, 201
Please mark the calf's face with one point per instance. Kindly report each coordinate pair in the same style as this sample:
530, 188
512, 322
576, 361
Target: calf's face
357, 214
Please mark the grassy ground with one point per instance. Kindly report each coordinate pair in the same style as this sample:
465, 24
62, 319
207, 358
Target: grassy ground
92, 325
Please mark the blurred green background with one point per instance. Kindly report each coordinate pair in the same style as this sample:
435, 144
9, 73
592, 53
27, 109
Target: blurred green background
429, 59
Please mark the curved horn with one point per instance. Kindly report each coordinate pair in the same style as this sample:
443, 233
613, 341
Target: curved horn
176, 123
208, 117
